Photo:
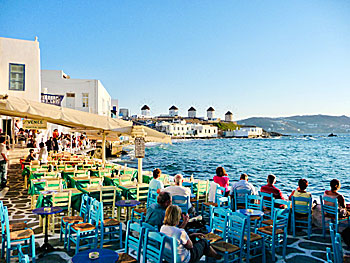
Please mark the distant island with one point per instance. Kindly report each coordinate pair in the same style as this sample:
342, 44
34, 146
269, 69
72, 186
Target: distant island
305, 124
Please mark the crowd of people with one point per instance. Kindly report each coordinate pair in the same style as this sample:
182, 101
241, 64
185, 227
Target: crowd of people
166, 216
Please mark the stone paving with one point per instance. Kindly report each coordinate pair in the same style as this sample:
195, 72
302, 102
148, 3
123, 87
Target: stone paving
299, 249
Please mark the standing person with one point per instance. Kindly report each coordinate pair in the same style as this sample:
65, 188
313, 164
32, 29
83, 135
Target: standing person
3, 162
187, 250
42, 153
155, 183
222, 179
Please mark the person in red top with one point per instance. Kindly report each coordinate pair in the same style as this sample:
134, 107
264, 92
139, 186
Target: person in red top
222, 179
270, 188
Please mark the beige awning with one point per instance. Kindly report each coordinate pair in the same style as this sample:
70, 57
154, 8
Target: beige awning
82, 121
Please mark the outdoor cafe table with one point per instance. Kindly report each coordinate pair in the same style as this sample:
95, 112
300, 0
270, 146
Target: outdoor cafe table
45, 197
45, 212
105, 256
37, 185
128, 204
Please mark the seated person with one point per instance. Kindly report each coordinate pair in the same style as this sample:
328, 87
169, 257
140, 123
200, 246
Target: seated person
301, 191
187, 250
155, 183
221, 179
270, 188
31, 156
333, 193
243, 184
178, 189
156, 212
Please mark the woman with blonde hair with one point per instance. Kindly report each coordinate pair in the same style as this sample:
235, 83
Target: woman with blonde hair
188, 250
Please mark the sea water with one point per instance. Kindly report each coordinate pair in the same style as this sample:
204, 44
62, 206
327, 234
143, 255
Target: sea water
318, 159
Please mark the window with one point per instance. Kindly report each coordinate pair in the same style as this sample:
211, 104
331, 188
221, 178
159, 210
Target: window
85, 100
16, 80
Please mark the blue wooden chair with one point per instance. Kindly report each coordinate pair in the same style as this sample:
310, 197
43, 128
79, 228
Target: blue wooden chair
278, 204
13, 238
239, 197
109, 227
276, 235
218, 224
329, 210
301, 214
70, 220
254, 202
231, 248
132, 241
137, 216
206, 206
22, 257
182, 201
267, 205
152, 197
86, 231
153, 248
337, 256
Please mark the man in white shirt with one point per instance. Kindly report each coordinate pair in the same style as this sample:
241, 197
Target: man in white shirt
155, 183
178, 189
3, 162
243, 184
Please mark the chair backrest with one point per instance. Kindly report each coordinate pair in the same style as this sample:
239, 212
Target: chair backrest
202, 189
224, 202
107, 197
152, 197
95, 212
5, 222
301, 205
51, 174
253, 202
132, 241
125, 179
240, 196
141, 193
267, 200
218, 221
182, 201
220, 192
236, 230
329, 206
63, 200
153, 247
80, 173
338, 251
53, 185
280, 220
170, 249
96, 180
85, 206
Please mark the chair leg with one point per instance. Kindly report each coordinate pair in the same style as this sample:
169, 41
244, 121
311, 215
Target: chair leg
33, 247
102, 237
273, 248
8, 254
3, 247
323, 227
68, 244
293, 225
263, 250
120, 235
284, 245
78, 243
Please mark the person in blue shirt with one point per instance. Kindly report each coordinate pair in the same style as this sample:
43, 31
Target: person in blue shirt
156, 212
155, 182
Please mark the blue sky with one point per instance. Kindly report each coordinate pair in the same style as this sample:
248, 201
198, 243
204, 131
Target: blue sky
254, 58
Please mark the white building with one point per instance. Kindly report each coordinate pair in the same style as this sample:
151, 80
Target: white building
87, 95
192, 112
183, 129
173, 111
20, 68
145, 111
229, 117
210, 113
19, 72
245, 132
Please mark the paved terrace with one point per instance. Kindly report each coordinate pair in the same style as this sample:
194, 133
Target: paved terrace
17, 200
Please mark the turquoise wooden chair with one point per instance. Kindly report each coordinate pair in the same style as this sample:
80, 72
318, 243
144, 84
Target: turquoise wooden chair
170, 252
13, 238
85, 231
182, 201
267, 205
67, 221
153, 248
239, 197
111, 228
137, 216
132, 241
231, 249
254, 202
152, 197
329, 210
276, 235
188, 185
218, 224
301, 214
337, 256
